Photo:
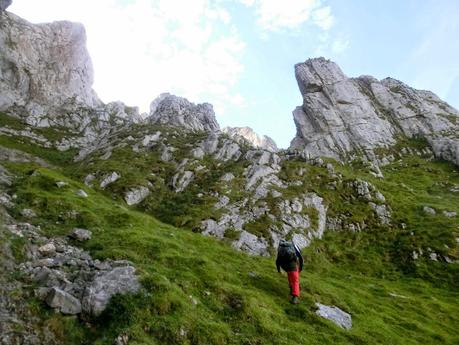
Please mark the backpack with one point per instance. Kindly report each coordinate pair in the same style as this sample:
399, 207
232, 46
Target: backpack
286, 251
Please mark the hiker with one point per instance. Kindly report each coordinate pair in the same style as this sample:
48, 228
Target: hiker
290, 259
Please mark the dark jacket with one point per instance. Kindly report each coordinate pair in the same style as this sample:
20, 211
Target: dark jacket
290, 265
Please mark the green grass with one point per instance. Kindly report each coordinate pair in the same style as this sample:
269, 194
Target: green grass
198, 290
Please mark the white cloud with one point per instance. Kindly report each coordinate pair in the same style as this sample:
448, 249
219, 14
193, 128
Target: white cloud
141, 48
323, 18
275, 15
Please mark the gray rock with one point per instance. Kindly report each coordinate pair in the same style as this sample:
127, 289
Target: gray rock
5, 177
48, 249
81, 234
198, 153
210, 145
88, 179
119, 280
176, 111
247, 133
222, 202
81, 193
151, 138
335, 315
136, 195
383, 213
449, 214
28, 213
227, 177
229, 151
109, 179
61, 184
429, 210
4, 4
166, 154
251, 244
341, 116
46, 70
63, 301
181, 180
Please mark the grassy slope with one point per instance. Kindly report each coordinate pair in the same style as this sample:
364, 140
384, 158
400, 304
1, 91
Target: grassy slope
241, 299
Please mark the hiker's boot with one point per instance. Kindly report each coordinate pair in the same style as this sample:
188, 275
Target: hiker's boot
294, 300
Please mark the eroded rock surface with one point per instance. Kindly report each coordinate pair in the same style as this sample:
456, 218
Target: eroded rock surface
177, 111
247, 133
341, 117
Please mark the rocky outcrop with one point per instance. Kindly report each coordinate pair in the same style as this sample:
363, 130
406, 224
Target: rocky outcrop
342, 117
105, 285
247, 133
171, 110
4, 4
45, 68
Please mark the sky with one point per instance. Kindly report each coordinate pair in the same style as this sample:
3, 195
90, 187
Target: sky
239, 54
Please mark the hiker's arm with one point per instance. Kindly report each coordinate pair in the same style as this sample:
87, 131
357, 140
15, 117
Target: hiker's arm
278, 265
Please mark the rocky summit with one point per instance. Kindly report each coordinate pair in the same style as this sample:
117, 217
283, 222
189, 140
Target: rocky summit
345, 117
247, 133
117, 228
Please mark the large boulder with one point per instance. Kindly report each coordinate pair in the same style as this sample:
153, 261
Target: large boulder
63, 301
119, 280
177, 111
343, 116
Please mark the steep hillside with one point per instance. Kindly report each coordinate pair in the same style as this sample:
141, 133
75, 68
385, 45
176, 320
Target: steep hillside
118, 229
394, 281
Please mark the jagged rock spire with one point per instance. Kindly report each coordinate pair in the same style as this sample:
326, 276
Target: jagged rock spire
177, 111
342, 116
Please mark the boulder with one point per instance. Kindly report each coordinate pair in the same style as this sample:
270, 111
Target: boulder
28, 213
63, 301
81, 193
119, 280
80, 234
48, 249
136, 195
181, 180
334, 314
429, 210
106, 180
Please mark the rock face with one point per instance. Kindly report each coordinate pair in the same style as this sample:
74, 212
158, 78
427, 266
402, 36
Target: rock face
177, 111
343, 116
247, 133
45, 68
4, 4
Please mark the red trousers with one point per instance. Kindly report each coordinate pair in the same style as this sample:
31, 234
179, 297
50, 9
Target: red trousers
294, 282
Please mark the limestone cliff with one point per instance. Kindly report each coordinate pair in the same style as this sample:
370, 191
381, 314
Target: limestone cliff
342, 117
247, 133
45, 69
